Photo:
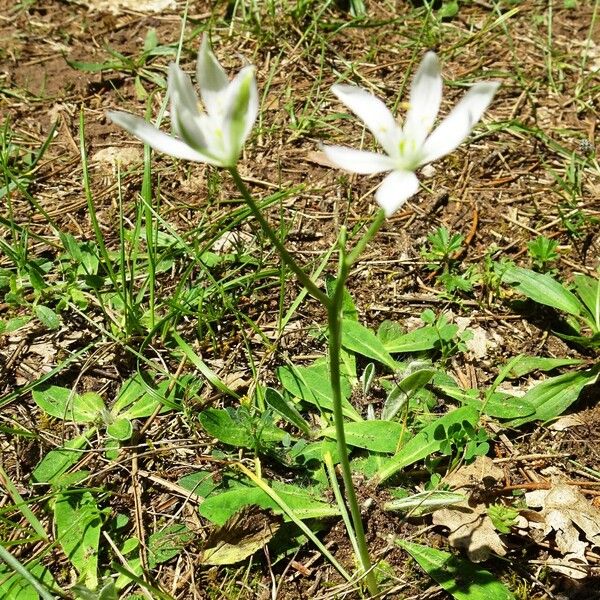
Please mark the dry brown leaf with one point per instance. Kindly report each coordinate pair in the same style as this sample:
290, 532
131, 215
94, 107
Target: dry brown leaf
470, 527
117, 7
573, 520
245, 533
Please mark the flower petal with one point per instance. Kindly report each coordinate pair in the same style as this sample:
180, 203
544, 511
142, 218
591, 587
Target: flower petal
374, 113
425, 99
181, 89
459, 123
358, 161
241, 109
395, 190
157, 139
211, 77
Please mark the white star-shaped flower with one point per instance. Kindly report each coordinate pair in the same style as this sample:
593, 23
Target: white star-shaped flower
216, 136
413, 145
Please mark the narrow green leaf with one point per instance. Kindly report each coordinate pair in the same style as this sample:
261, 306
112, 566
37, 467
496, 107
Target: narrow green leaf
419, 340
424, 502
544, 289
460, 578
552, 397
286, 409
360, 339
204, 369
424, 443
527, 364
56, 462
588, 290
220, 507
406, 388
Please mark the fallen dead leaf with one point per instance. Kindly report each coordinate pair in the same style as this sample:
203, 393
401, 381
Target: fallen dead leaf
245, 533
471, 529
574, 522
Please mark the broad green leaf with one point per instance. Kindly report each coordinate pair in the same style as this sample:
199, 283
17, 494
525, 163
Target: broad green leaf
504, 406
220, 507
360, 339
424, 338
139, 397
201, 483
388, 331
286, 409
424, 443
376, 436
315, 451
499, 405
312, 385
78, 526
120, 429
168, 542
460, 578
544, 289
527, 364
16, 587
552, 397
220, 424
47, 316
56, 462
66, 404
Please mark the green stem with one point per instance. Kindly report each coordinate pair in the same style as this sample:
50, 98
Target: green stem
369, 235
333, 305
334, 320
286, 257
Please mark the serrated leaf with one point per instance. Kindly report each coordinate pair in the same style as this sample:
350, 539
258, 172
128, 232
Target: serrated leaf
360, 339
424, 443
544, 289
460, 578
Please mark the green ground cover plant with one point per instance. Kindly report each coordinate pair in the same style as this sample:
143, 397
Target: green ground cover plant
176, 444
